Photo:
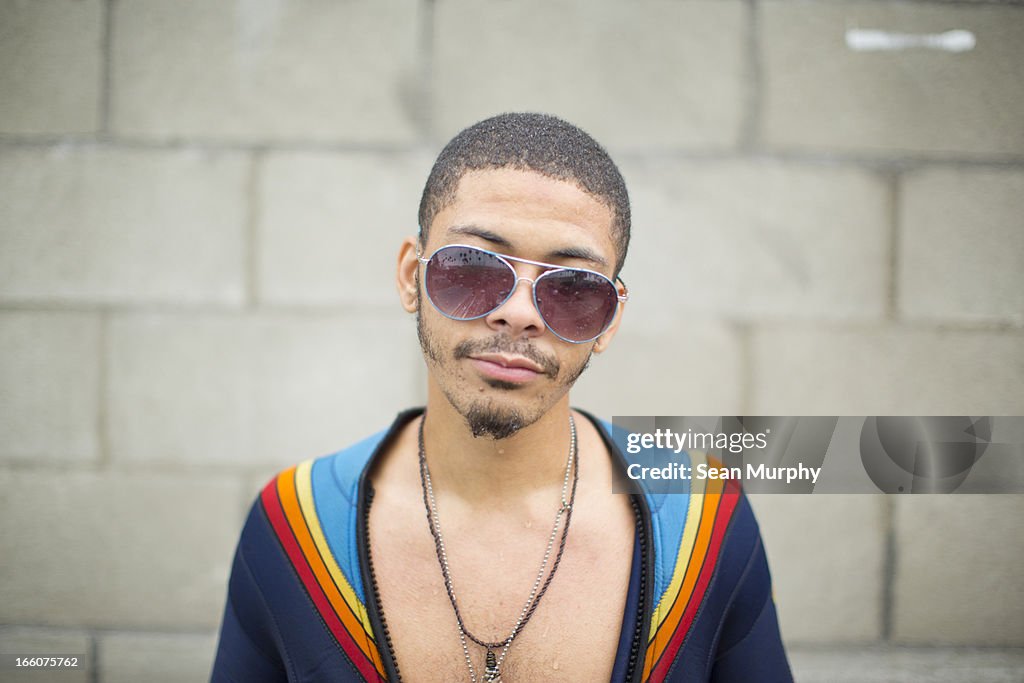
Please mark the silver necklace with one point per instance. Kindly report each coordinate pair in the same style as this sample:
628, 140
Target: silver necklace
492, 663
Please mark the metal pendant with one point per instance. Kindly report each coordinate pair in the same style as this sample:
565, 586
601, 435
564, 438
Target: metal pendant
491, 673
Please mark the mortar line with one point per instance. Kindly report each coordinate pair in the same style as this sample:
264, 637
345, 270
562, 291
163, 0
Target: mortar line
894, 187
104, 455
106, 78
211, 144
328, 311
343, 310
889, 561
880, 161
744, 336
163, 468
961, 3
94, 655
749, 127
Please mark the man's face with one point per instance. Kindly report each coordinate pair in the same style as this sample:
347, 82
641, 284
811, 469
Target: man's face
505, 370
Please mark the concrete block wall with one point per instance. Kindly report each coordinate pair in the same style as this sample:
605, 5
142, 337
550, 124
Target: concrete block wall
200, 205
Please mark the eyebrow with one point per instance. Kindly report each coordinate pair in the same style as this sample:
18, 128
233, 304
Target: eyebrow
582, 253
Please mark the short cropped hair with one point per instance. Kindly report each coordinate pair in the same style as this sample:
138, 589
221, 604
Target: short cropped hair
530, 142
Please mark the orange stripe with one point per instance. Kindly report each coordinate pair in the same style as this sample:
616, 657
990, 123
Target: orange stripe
722, 520
700, 548
691, 524
290, 503
304, 490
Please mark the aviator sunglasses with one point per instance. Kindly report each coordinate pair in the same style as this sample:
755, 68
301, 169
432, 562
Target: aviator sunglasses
466, 283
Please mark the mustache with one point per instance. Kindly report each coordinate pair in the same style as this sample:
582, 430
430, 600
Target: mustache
507, 345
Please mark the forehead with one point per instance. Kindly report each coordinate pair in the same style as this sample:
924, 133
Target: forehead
531, 214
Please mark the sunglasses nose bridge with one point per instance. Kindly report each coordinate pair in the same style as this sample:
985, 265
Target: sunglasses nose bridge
520, 278
515, 289
518, 312
531, 280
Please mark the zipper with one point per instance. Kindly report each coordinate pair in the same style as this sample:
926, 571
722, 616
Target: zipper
364, 498
365, 495
635, 668
377, 611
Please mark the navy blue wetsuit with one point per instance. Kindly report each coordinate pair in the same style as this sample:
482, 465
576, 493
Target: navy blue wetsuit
302, 605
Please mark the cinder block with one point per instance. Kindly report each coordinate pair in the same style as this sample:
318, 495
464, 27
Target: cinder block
100, 225
958, 570
801, 370
826, 555
685, 369
49, 375
104, 550
252, 391
962, 245
155, 658
330, 226
313, 70
669, 75
25, 641
820, 94
756, 240
50, 66
905, 665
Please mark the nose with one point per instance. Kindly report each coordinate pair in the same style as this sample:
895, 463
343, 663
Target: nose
518, 316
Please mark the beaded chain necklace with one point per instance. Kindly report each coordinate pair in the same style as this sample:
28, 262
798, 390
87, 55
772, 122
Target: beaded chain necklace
492, 663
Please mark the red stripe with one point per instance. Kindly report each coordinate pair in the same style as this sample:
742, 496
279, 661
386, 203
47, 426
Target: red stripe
275, 512
726, 506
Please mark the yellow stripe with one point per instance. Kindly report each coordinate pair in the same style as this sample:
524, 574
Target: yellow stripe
693, 513
304, 485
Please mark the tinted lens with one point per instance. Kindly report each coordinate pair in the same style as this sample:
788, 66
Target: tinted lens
465, 283
577, 305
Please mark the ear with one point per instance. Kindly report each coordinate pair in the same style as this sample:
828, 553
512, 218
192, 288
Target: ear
602, 342
406, 276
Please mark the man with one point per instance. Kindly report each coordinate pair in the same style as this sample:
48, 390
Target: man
480, 539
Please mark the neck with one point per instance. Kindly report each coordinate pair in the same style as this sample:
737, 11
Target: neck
482, 469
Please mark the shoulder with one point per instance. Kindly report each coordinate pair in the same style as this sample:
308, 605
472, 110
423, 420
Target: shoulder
336, 474
320, 492
307, 518
297, 565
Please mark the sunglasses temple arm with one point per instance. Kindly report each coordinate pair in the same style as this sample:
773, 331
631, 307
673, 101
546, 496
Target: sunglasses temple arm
624, 297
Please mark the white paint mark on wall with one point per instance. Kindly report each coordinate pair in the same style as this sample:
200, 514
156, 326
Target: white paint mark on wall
875, 40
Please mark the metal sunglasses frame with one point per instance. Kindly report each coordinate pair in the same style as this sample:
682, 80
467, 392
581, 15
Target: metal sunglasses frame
550, 268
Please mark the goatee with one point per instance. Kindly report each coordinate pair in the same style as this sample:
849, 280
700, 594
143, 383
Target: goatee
496, 424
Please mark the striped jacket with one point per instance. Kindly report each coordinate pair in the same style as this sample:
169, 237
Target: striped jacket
301, 604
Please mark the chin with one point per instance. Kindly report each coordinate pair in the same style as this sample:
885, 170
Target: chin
493, 425
495, 416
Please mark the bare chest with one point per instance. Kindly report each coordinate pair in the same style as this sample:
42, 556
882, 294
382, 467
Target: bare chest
573, 634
